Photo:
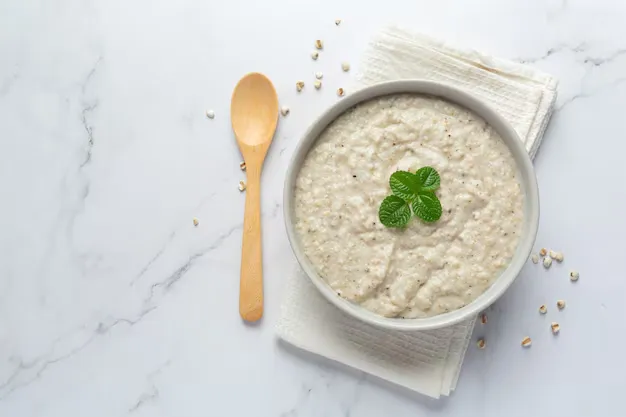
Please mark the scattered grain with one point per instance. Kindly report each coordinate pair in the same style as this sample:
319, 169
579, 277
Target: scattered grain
242, 186
526, 342
210, 114
337, 22
340, 92
319, 44
535, 258
284, 110
560, 304
196, 221
315, 55
555, 327
481, 343
559, 257
543, 252
483, 318
573, 276
319, 75
547, 262
242, 165
345, 66
299, 85
543, 309
317, 84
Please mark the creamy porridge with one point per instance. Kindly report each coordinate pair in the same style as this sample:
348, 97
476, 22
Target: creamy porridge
424, 269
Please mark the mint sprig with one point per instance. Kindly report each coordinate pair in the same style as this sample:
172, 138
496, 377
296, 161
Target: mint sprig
411, 192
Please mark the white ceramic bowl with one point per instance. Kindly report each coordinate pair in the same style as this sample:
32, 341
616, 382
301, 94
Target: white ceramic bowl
527, 179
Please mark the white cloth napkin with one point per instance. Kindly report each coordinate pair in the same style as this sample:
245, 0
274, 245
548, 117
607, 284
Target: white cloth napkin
426, 362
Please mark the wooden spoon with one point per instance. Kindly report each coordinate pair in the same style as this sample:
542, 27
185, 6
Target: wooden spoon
254, 114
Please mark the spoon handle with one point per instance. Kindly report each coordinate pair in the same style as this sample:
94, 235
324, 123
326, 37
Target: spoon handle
251, 278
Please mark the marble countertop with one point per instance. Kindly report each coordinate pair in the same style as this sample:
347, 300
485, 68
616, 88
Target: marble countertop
112, 303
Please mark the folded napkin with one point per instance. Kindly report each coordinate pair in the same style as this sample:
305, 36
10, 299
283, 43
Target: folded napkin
427, 362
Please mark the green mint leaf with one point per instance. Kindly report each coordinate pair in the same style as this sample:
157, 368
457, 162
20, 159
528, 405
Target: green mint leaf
404, 185
429, 178
427, 206
394, 212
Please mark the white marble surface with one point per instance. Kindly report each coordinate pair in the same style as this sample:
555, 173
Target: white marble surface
112, 303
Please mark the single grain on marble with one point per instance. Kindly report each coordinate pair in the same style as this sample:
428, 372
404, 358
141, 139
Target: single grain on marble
547, 262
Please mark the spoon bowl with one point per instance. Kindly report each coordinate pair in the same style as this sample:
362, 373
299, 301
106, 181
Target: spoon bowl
254, 110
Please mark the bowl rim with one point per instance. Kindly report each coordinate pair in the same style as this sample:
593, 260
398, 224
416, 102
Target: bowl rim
528, 182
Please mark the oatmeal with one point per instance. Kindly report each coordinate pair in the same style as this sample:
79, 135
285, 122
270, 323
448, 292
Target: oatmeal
424, 269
